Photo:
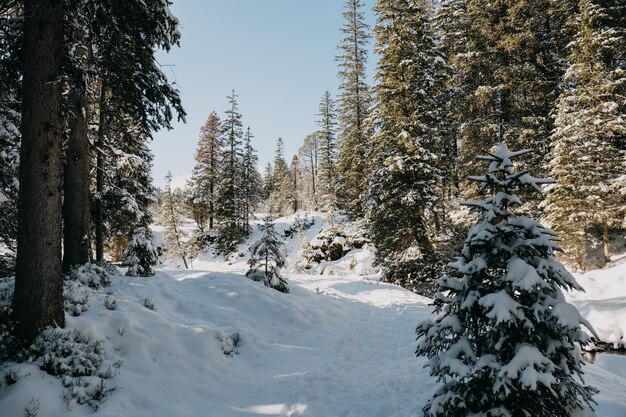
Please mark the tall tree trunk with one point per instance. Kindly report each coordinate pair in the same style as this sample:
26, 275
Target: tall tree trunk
38, 298
76, 203
98, 213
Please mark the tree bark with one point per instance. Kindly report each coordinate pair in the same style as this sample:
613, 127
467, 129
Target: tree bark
98, 212
76, 203
38, 298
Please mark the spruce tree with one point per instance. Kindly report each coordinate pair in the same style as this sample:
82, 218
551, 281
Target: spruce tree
327, 178
140, 255
354, 101
283, 191
172, 216
268, 256
505, 342
205, 174
250, 182
587, 162
404, 199
228, 202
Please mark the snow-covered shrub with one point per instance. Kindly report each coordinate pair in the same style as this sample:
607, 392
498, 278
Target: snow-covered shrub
140, 255
75, 297
268, 256
32, 408
8, 343
148, 303
505, 342
90, 391
92, 275
12, 375
299, 224
70, 353
334, 242
110, 302
230, 343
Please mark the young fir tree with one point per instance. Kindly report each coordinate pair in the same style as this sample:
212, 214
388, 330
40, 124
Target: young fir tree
505, 341
587, 163
228, 202
404, 202
205, 174
140, 255
171, 216
327, 178
268, 256
250, 182
283, 191
354, 101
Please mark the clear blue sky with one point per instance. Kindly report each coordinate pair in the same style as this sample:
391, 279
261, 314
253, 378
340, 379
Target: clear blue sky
278, 55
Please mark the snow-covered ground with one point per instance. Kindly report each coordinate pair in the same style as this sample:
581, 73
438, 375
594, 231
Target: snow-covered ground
338, 345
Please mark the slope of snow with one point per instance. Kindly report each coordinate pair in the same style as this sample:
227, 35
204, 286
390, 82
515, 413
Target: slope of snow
337, 346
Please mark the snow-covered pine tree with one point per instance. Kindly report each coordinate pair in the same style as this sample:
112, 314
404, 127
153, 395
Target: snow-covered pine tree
404, 198
354, 101
172, 216
140, 255
505, 341
268, 256
590, 128
228, 203
251, 181
204, 179
283, 191
327, 178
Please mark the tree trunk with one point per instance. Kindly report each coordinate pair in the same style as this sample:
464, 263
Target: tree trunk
76, 203
606, 242
98, 213
38, 298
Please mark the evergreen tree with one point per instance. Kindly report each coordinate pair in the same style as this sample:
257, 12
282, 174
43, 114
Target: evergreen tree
404, 203
354, 102
327, 178
140, 255
38, 296
283, 191
228, 203
250, 181
590, 129
268, 182
268, 256
505, 342
309, 155
205, 174
171, 215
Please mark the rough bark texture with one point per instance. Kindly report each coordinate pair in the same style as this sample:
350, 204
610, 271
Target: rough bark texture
38, 300
76, 205
98, 212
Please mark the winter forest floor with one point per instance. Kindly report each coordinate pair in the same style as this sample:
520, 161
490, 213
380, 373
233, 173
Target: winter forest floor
338, 345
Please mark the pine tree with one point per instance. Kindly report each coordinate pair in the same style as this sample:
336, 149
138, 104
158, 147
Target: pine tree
205, 174
228, 203
404, 201
503, 329
283, 191
590, 129
354, 101
250, 181
327, 178
268, 256
171, 216
38, 296
140, 255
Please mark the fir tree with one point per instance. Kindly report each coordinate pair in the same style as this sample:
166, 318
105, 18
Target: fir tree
205, 174
140, 255
268, 256
250, 181
354, 102
171, 216
505, 342
228, 202
309, 155
404, 201
327, 178
588, 163
283, 191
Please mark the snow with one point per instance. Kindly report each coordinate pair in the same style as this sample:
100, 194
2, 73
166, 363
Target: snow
337, 345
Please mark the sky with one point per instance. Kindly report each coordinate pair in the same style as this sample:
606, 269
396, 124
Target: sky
278, 56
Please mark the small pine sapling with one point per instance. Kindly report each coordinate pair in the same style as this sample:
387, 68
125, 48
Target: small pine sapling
140, 255
268, 256
505, 341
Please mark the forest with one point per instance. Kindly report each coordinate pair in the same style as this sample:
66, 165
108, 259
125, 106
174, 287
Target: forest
439, 226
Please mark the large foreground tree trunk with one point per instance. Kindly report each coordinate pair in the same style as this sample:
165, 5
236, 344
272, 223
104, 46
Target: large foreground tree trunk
76, 204
38, 300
